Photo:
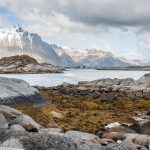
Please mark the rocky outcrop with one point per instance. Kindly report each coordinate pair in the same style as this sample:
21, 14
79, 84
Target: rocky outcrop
110, 89
25, 64
17, 136
15, 91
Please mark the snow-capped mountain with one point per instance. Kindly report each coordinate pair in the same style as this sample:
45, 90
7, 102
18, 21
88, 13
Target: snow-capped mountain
97, 58
17, 41
66, 58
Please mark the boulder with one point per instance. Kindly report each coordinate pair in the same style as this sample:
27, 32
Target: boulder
106, 97
144, 127
122, 129
82, 137
17, 127
12, 143
48, 131
9, 110
114, 136
15, 91
139, 139
27, 123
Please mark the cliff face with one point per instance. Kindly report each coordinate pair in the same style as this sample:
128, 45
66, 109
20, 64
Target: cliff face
25, 64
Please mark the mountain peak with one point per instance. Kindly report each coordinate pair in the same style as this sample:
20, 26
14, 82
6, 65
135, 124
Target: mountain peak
12, 29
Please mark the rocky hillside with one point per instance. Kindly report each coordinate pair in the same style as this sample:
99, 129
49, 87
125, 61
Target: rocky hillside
25, 64
19, 131
15, 91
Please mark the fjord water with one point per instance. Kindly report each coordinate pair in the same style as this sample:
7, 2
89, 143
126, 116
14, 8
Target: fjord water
73, 76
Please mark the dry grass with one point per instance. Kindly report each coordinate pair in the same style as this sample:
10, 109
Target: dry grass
24, 59
84, 114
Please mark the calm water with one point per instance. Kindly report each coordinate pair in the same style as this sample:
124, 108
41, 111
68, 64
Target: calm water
74, 75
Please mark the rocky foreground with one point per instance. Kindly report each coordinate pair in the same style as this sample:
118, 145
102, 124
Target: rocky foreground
25, 64
107, 114
19, 131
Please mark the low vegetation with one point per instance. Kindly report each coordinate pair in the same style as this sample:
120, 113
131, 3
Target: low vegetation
24, 59
83, 114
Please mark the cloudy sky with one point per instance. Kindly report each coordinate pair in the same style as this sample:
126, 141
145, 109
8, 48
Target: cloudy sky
120, 26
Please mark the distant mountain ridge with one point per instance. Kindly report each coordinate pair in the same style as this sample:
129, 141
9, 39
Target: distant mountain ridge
96, 58
17, 41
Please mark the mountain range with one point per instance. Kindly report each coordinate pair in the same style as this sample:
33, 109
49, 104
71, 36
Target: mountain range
17, 41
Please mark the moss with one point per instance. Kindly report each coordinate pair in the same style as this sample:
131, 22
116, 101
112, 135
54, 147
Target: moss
82, 113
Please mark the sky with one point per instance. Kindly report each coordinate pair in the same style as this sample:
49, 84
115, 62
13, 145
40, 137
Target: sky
119, 26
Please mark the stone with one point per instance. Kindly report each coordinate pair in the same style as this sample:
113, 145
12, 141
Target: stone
82, 137
105, 142
121, 129
56, 115
112, 146
114, 124
114, 136
17, 127
144, 127
12, 143
16, 91
139, 139
3, 122
26, 122
10, 110
108, 98
48, 131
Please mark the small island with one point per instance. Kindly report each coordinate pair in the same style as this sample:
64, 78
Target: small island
26, 64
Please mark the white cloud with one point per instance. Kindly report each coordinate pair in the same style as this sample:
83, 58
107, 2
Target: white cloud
133, 55
79, 20
103, 45
144, 45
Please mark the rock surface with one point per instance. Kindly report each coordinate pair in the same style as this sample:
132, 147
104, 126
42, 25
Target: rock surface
15, 91
110, 89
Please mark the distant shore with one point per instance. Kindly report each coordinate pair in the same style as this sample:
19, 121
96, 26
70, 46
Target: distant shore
134, 68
